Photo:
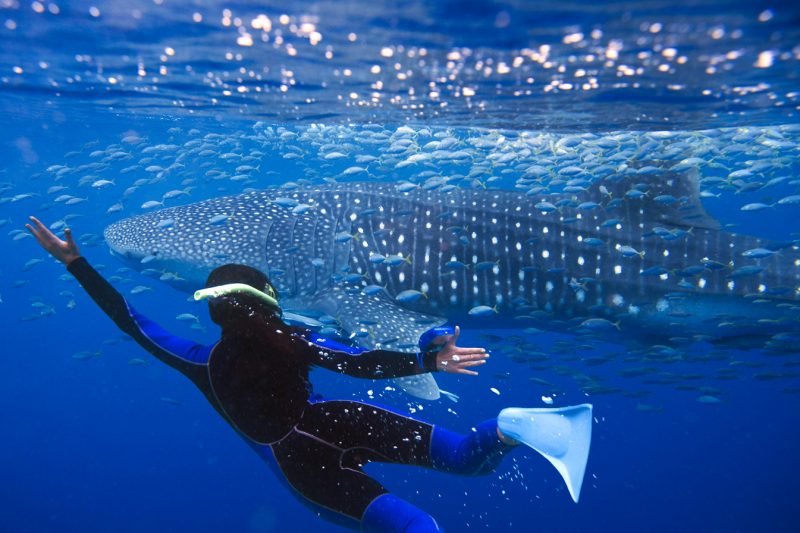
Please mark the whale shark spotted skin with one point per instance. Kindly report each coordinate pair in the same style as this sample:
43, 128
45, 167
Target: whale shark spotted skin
389, 262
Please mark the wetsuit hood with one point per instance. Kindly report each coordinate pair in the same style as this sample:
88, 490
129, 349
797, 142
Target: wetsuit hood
238, 309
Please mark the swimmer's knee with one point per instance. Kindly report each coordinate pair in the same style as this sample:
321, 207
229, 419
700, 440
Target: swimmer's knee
389, 514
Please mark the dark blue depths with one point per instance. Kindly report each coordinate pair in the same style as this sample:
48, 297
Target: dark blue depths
108, 444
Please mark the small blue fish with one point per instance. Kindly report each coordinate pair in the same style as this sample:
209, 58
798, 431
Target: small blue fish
755, 207
140, 289
598, 324
486, 265
396, 259
409, 296
483, 310
286, 202
665, 199
750, 270
545, 207
790, 200
566, 202
710, 264
300, 209
635, 194
371, 290
629, 251
456, 265
758, 253
664, 233
343, 237
407, 187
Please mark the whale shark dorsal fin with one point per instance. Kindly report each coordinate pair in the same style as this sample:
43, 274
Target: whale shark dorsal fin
376, 321
690, 211
686, 211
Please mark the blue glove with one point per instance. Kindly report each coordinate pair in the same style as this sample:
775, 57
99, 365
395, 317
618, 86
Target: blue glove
426, 339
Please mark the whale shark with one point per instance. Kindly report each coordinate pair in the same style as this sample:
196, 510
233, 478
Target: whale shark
634, 255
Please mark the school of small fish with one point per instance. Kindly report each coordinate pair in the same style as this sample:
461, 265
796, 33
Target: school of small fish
751, 168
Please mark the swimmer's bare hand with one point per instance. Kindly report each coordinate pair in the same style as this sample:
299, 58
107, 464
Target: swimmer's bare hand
456, 360
65, 251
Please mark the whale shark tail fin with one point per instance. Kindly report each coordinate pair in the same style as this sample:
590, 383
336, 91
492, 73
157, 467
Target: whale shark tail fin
562, 435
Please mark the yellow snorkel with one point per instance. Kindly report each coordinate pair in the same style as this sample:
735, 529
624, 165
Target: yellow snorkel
233, 288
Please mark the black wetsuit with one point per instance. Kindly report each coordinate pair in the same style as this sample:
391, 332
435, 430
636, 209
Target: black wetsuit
259, 383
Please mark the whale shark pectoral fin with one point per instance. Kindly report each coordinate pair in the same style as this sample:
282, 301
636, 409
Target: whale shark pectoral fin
376, 321
422, 386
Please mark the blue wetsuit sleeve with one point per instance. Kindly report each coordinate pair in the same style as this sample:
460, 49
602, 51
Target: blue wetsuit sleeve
360, 362
184, 349
182, 354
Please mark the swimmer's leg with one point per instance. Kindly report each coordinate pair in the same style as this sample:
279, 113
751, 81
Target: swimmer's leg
370, 433
476, 453
367, 433
335, 487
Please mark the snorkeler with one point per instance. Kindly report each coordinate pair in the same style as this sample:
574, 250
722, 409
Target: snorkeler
256, 377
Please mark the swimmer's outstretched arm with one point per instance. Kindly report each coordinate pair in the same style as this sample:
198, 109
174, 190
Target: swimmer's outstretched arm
380, 364
183, 354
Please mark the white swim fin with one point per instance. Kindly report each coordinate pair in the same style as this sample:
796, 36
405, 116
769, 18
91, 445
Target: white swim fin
562, 435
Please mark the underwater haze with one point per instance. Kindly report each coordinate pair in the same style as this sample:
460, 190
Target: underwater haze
612, 195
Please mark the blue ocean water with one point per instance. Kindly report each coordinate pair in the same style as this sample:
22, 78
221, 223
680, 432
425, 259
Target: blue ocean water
98, 436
